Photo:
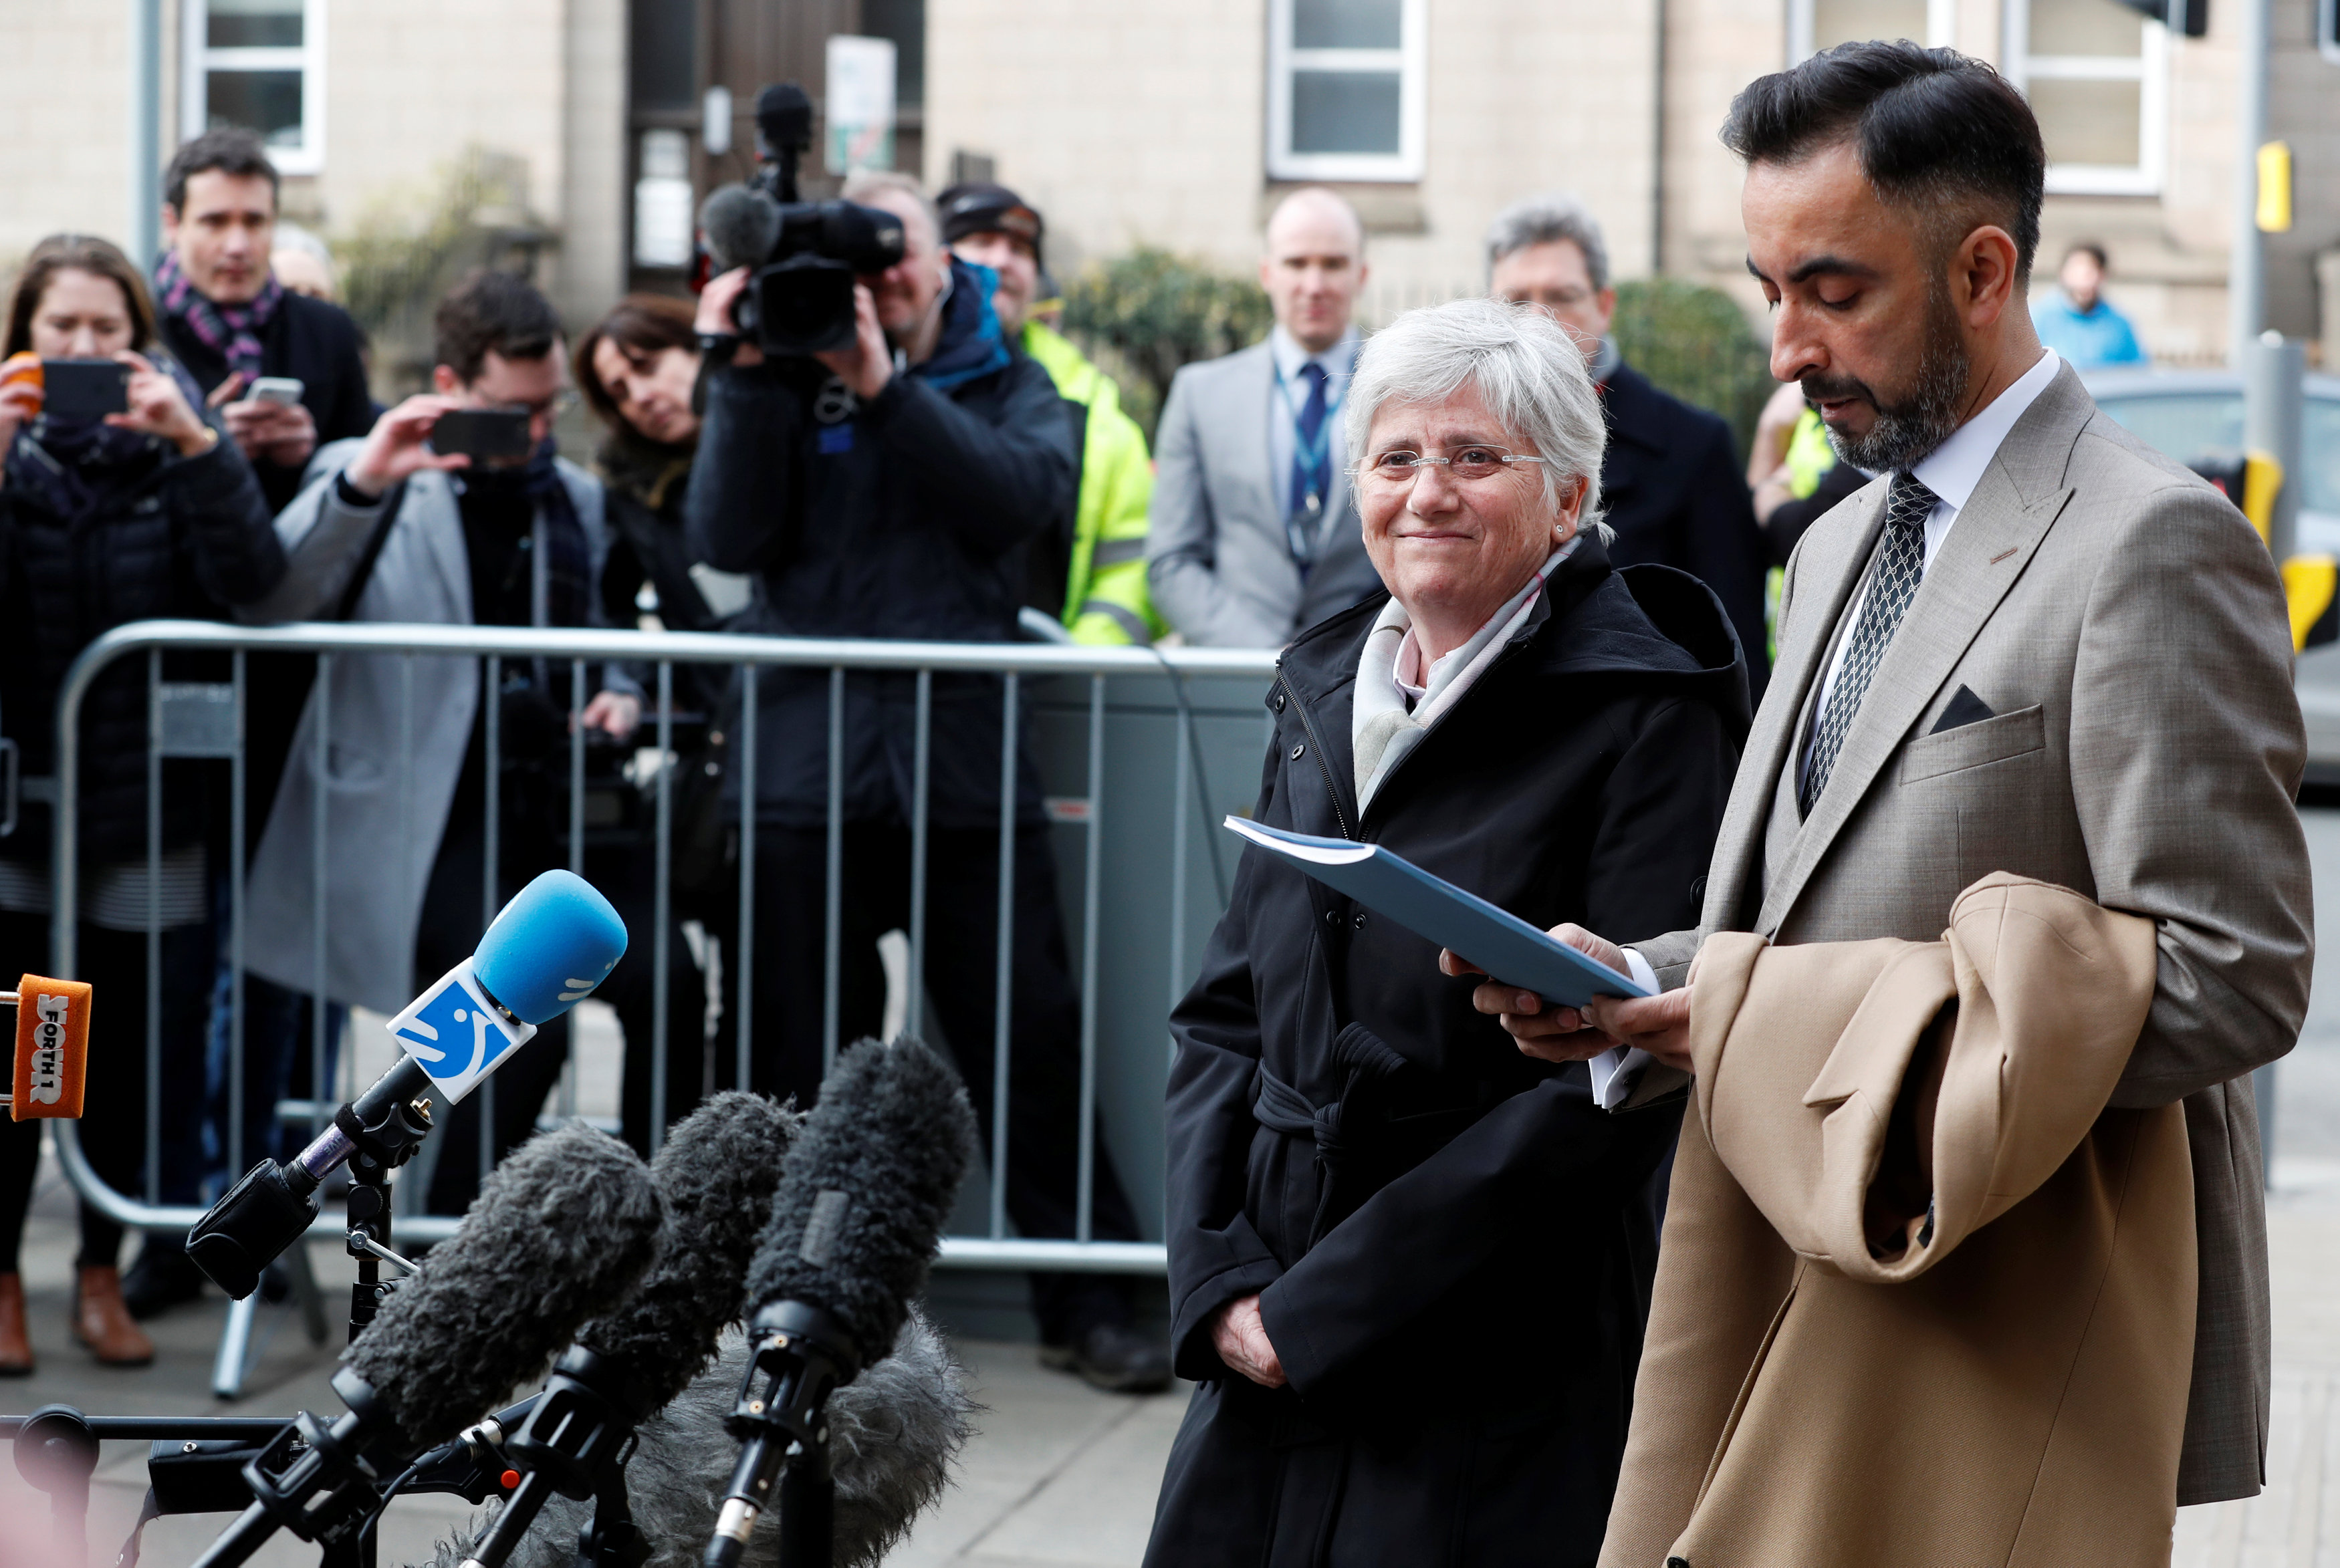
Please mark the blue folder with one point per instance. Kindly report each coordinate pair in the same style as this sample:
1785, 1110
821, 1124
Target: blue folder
1507, 947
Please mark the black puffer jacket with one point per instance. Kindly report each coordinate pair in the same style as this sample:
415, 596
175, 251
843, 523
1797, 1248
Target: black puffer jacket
1448, 1239
908, 516
176, 537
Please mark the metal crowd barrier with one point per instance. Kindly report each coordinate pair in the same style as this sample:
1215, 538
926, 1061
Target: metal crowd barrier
1140, 752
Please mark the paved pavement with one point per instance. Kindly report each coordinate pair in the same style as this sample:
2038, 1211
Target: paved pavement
1064, 1477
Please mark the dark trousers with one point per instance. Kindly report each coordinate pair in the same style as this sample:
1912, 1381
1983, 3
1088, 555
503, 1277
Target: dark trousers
450, 928
696, 1064
961, 966
279, 1063
114, 1118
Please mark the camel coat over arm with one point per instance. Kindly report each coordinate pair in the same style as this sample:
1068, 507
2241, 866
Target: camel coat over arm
1970, 1284
2125, 629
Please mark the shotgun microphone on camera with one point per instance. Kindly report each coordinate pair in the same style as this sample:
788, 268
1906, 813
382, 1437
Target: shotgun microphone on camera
545, 952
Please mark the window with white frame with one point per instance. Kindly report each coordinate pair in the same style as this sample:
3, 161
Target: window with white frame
1817, 25
2097, 75
1344, 89
260, 65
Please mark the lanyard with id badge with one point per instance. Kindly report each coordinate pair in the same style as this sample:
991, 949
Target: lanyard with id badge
1306, 525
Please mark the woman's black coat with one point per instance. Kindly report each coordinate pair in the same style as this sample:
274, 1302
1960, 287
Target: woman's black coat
1450, 1242
171, 537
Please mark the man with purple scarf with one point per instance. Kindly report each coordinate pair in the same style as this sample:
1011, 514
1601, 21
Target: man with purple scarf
388, 529
226, 318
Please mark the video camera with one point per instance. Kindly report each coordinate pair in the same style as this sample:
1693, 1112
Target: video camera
807, 253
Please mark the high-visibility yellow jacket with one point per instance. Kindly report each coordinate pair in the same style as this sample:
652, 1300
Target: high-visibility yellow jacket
1106, 599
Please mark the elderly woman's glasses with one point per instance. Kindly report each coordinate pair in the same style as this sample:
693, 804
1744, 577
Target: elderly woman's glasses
1398, 467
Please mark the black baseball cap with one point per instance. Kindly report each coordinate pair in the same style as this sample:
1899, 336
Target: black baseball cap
979, 207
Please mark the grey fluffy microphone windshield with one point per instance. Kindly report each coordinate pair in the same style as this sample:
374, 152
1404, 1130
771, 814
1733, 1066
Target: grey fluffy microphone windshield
561, 1231
860, 1215
896, 1430
867, 1191
716, 1173
741, 226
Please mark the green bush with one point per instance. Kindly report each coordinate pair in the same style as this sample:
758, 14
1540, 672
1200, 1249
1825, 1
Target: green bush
1144, 315
1695, 343
410, 246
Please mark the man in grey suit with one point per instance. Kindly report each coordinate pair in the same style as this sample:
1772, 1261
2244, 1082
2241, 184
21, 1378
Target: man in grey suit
2031, 645
1251, 536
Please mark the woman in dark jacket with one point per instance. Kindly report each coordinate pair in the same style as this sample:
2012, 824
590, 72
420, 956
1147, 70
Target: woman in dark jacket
103, 521
637, 366
1409, 1265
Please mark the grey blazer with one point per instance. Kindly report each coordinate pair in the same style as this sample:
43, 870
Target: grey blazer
2126, 629
398, 728
1217, 559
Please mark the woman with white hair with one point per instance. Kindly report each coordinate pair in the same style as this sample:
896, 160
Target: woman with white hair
1408, 1264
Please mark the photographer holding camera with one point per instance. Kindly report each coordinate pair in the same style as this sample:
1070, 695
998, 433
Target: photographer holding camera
891, 488
452, 511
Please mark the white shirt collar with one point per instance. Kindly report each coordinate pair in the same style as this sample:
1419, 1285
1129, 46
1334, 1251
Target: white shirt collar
1338, 361
1954, 469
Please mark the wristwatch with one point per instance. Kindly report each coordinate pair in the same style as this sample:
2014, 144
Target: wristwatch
718, 347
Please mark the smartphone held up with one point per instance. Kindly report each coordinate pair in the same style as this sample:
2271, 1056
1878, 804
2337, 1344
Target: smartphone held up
482, 435
79, 390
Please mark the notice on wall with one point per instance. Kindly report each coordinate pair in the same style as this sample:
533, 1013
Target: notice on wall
662, 206
859, 111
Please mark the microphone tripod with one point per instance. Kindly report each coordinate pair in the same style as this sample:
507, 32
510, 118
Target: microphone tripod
369, 1243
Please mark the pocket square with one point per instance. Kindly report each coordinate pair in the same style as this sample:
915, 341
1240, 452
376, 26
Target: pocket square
1966, 708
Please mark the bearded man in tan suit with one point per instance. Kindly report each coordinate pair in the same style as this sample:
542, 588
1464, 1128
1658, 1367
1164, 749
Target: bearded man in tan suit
2031, 646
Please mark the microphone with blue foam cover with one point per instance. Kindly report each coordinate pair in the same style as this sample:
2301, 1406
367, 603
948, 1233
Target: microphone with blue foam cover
544, 951
52, 1055
548, 948
560, 1232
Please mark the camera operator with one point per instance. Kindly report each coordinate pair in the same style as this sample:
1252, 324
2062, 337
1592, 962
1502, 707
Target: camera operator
390, 529
890, 489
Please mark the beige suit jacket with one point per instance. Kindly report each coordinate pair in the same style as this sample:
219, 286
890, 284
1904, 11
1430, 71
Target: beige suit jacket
2127, 629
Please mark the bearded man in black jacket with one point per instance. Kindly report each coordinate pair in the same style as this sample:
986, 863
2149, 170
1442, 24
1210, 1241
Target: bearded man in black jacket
893, 489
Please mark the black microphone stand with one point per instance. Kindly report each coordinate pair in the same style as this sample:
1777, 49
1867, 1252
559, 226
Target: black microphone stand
800, 1356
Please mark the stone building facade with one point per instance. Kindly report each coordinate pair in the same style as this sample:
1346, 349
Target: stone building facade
1156, 122
1178, 122
366, 105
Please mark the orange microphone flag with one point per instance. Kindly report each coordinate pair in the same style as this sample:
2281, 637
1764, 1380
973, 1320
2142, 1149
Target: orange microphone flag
52, 1047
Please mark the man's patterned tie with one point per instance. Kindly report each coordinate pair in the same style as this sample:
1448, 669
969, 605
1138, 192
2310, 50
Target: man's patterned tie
1892, 584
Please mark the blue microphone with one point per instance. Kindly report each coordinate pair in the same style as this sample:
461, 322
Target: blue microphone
543, 953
